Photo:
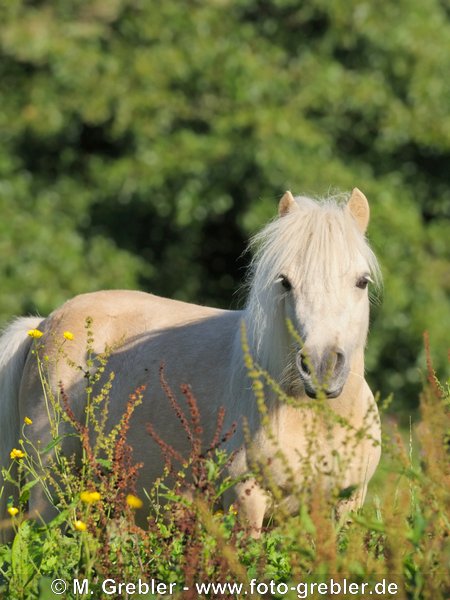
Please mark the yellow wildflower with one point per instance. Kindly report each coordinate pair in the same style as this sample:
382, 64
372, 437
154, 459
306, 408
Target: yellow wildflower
134, 501
90, 497
16, 453
68, 335
80, 525
13, 511
35, 333
27, 421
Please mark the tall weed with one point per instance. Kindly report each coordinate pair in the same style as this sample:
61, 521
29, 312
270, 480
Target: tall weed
401, 535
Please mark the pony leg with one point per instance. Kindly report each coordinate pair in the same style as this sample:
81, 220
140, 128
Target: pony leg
352, 504
253, 503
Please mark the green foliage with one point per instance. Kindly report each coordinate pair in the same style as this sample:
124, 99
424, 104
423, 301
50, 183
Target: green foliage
400, 537
142, 142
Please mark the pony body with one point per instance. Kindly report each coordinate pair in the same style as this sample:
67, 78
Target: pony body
311, 266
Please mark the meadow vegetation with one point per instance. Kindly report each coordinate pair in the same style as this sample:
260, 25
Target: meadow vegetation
400, 536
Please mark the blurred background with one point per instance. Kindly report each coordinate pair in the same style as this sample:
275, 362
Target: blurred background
143, 142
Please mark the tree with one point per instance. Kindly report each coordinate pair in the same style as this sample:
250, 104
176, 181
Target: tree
143, 142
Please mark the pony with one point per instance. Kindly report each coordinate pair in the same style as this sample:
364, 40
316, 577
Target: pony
311, 268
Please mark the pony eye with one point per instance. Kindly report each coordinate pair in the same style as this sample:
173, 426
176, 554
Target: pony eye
363, 282
285, 283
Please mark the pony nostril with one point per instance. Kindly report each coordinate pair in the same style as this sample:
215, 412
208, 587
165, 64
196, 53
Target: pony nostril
340, 361
304, 365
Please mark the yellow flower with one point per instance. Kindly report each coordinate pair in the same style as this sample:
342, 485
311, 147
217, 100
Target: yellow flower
68, 335
16, 453
35, 333
13, 511
90, 497
134, 501
27, 421
80, 525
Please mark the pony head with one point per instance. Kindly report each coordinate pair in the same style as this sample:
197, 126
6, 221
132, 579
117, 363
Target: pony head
312, 266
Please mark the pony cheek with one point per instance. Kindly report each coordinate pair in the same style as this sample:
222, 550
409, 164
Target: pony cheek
351, 326
361, 327
292, 319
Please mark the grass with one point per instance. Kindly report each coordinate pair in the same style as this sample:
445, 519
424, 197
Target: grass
400, 537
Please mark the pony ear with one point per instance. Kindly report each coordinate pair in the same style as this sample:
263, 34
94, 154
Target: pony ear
359, 209
286, 204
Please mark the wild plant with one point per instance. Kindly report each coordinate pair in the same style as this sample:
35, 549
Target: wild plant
401, 535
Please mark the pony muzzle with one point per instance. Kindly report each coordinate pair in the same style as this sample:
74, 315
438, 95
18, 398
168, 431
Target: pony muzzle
322, 374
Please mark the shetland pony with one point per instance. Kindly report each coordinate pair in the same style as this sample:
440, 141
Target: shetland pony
311, 267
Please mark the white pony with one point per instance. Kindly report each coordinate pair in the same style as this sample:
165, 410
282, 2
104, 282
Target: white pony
312, 266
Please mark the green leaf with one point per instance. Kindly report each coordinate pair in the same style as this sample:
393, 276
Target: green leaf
56, 441
107, 464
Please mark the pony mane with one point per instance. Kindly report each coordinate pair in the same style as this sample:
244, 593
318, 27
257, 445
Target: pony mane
317, 241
